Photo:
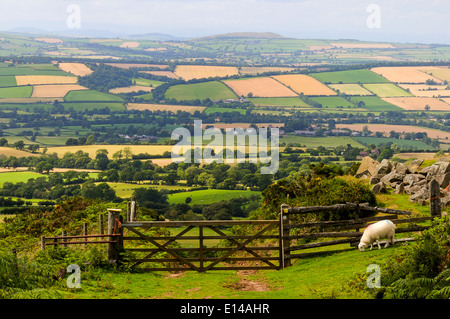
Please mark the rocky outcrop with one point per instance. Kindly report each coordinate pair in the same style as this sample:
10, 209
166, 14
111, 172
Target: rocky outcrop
408, 179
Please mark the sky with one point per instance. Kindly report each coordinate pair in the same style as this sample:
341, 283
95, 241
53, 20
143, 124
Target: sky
408, 21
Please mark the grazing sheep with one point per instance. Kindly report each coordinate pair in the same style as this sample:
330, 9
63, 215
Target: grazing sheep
384, 229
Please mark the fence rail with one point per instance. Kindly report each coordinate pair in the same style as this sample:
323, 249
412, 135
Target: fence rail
267, 244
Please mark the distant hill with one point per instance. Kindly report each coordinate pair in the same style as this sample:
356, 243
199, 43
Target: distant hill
249, 35
155, 37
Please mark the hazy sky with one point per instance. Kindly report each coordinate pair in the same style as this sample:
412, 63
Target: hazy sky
378, 20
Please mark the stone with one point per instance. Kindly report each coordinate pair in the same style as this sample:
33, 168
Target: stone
420, 196
414, 166
392, 177
401, 168
375, 179
411, 179
379, 188
443, 180
368, 167
400, 188
384, 167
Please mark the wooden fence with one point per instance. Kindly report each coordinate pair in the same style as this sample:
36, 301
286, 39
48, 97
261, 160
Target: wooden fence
266, 244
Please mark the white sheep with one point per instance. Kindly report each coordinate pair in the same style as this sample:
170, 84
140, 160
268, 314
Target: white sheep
384, 229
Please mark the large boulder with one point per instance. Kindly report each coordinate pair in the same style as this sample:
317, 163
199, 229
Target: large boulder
411, 179
414, 166
367, 168
384, 167
379, 188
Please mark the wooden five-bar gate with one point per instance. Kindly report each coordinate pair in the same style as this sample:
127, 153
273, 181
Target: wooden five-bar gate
259, 244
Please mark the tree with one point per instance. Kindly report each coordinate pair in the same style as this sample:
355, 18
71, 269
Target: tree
151, 198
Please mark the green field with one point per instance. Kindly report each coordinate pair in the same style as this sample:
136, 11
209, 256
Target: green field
332, 101
91, 95
210, 110
125, 190
213, 90
279, 101
7, 80
404, 144
147, 82
30, 71
209, 196
16, 177
386, 90
351, 76
312, 142
375, 104
16, 92
113, 106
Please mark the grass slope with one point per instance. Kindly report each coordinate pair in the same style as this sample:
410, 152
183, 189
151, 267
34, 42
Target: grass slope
213, 90
351, 76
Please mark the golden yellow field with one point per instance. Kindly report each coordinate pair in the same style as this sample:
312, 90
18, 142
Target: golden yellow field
418, 103
168, 74
363, 45
132, 88
253, 70
92, 149
131, 44
406, 74
55, 90
189, 72
350, 89
386, 128
442, 73
49, 40
78, 69
7, 151
260, 87
31, 99
45, 79
163, 107
426, 90
305, 84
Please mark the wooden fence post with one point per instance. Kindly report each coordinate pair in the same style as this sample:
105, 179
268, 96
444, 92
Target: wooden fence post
85, 233
133, 216
286, 242
113, 228
42, 242
64, 234
435, 198
128, 211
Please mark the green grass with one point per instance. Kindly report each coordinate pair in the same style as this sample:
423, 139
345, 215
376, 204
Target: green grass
91, 95
147, 82
7, 81
16, 92
16, 177
210, 110
375, 104
125, 190
351, 76
113, 106
312, 142
332, 101
386, 90
404, 144
209, 196
279, 101
31, 71
213, 90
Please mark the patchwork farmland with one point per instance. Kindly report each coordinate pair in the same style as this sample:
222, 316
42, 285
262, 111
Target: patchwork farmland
304, 84
189, 72
259, 87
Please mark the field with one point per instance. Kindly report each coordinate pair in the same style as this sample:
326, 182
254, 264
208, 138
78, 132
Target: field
351, 76
350, 89
167, 74
425, 90
418, 103
260, 87
92, 149
386, 90
312, 142
45, 79
189, 72
403, 144
251, 70
130, 44
132, 88
16, 92
91, 95
78, 69
352, 45
279, 101
442, 73
165, 107
386, 128
405, 74
58, 90
305, 84
375, 104
209, 196
7, 80
7, 151
113, 106
213, 90
16, 177
212, 109
332, 101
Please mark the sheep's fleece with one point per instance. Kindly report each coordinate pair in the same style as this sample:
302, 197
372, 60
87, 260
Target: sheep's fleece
384, 229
